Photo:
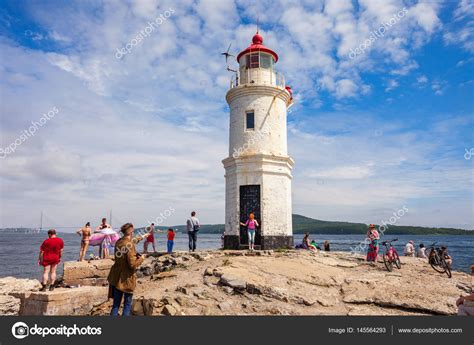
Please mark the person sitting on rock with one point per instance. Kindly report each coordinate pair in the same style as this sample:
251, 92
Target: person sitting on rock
122, 276
466, 303
307, 242
409, 249
313, 242
327, 247
421, 252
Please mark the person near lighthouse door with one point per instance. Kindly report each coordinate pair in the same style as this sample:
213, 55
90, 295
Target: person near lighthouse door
251, 225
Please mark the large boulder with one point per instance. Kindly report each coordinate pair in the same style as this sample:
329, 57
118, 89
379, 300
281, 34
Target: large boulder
75, 301
233, 282
88, 273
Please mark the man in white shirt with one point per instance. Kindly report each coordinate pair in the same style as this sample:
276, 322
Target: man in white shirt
193, 226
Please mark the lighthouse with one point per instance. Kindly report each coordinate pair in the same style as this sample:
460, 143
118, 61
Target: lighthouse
258, 168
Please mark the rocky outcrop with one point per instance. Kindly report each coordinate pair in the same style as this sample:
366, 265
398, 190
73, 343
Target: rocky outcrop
257, 283
302, 283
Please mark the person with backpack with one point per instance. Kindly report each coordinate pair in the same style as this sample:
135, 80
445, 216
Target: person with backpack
193, 226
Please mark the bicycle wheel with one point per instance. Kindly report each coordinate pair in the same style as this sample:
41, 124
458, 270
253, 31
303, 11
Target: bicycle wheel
435, 262
446, 267
387, 262
397, 260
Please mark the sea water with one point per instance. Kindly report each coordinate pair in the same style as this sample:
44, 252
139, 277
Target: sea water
19, 251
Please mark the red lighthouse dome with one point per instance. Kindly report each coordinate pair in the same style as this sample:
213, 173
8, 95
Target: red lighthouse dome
257, 46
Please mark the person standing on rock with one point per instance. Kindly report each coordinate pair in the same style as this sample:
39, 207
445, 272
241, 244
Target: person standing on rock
170, 242
193, 226
150, 239
373, 236
85, 232
122, 276
49, 257
251, 225
104, 246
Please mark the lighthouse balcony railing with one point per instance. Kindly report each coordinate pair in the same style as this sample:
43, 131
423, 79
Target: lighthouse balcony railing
257, 76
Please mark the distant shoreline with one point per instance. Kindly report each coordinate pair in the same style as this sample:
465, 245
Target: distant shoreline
459, 232
303, 224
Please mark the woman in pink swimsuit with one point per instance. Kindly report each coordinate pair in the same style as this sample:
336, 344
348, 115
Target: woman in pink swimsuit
251, 225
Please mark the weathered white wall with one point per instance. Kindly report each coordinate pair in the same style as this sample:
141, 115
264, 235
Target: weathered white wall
270, 133
259, 157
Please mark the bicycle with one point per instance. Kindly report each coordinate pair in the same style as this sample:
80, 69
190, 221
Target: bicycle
390, 256
437, 260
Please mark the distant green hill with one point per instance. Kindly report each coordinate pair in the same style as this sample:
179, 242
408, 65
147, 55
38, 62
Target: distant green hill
302, 224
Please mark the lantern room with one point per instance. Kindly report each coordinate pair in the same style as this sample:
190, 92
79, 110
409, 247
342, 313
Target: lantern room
256, 65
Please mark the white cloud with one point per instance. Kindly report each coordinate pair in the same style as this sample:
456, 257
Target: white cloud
461, 31
392, 84
346, 88
150, 130
422, 79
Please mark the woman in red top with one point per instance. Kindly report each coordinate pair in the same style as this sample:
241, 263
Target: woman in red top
49, 257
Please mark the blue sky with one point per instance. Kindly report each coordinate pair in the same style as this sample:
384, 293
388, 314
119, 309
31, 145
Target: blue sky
370, 134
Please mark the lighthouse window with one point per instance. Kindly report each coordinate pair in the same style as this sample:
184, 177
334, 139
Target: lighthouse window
250, 120
252, 60
265, 61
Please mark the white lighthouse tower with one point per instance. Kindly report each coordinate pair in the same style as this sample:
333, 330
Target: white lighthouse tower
258, 169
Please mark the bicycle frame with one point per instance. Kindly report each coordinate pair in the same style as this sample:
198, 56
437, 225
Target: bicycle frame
390, 250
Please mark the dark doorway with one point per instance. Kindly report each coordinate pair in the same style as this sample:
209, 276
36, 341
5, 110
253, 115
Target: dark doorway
250, 202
